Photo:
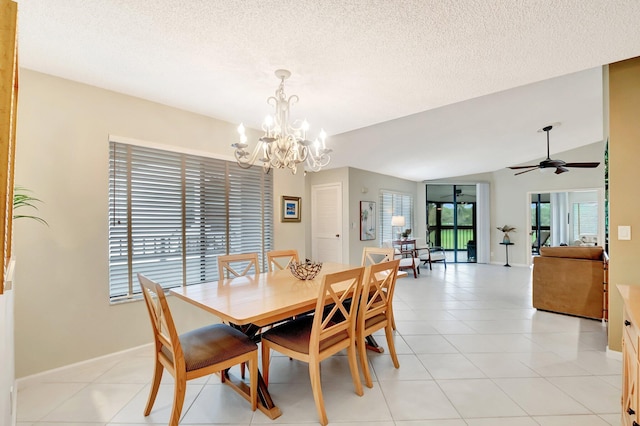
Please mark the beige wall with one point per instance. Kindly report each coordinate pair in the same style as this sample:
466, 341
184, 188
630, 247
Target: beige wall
624, 175
62, 310
373, 184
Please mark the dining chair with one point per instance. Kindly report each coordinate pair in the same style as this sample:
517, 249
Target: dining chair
229, 265
313, 338
196, 353
408, 257
280, 259
373, 255
430, 254
376, 311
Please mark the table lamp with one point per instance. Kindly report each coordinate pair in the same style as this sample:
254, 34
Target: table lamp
398, 221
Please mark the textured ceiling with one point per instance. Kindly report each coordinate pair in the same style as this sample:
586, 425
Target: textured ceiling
450, 87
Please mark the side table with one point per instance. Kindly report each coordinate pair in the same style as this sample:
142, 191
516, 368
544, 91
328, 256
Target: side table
506, 249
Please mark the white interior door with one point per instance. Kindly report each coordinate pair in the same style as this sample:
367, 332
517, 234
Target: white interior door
326, 222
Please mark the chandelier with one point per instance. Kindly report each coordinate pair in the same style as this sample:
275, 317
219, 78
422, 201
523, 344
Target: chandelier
284, 144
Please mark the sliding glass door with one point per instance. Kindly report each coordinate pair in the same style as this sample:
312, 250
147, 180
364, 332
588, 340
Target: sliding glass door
451, 220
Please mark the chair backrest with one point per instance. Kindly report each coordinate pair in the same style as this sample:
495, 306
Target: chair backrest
227, 265
377, 290
280, 259
164, 329
373, 255
340, 293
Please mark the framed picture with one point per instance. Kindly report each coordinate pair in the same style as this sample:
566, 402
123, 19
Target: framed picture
290, 209
367, 220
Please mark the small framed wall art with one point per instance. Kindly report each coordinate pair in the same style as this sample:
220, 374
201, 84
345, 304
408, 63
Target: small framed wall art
290, 209
367, 220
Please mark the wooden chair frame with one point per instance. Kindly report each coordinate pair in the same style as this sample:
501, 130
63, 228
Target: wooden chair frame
332, 329
169, 353
373, 255
225, 266
275, 257
376, 310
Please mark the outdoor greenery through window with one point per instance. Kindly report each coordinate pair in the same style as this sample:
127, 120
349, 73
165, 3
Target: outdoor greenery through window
540, 223
171, 214
394, 204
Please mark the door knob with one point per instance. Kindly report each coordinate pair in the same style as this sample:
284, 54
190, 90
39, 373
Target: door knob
337, 235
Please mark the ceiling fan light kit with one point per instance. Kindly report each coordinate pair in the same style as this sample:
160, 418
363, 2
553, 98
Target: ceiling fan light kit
559, 165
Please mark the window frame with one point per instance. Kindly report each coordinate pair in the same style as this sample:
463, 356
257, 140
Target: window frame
191, 200
395, 203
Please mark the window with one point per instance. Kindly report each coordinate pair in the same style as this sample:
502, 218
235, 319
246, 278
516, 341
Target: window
394, 204
171, 214
585, 219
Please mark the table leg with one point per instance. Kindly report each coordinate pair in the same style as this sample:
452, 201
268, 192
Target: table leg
372, 345
265, 403
506, 248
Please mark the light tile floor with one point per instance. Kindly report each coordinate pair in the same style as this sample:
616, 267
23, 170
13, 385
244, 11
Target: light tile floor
472, 352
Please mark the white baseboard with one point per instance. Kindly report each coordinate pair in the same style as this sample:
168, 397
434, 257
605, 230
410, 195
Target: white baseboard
614, 354
26, 381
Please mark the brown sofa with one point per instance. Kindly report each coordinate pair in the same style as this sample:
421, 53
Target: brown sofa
571, 280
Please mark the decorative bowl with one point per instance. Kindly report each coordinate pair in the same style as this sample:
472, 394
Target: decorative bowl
305, 270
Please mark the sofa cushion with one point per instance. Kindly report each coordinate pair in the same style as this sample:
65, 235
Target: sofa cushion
591, 253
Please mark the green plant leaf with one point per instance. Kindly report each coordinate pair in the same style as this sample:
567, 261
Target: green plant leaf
22, 199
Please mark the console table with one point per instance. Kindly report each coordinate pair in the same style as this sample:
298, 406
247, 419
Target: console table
405, 245
506, 249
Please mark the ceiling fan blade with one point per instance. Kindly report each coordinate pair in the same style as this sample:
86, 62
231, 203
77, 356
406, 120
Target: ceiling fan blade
585, 165
530, 170
561, 170
524, 167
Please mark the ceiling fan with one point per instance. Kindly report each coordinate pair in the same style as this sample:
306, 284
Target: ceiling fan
458, 194
559, 165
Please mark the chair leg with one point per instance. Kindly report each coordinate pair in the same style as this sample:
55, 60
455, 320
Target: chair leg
265, 362
243, 366
155, 385
353, 366
179, 390
388, 331
364, 361
314, 375
392, 319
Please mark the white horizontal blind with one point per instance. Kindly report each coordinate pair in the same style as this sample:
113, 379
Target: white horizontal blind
171, 214
394, 204
585, 219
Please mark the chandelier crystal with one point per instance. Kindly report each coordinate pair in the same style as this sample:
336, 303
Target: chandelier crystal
284, 144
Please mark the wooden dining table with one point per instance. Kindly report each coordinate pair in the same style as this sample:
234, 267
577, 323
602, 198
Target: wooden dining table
254, 301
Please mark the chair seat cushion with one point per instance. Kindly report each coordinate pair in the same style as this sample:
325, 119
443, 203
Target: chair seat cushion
370, 322
212, 344
295, 335
407, 262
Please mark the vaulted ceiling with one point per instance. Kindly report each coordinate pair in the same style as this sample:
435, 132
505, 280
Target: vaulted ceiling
420, 89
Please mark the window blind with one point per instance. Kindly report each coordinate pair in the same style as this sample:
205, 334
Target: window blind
394, 204
171, 214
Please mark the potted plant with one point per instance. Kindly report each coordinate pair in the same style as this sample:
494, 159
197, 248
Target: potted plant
22, 199
506, 229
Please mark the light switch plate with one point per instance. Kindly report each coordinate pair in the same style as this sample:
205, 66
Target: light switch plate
624, 232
